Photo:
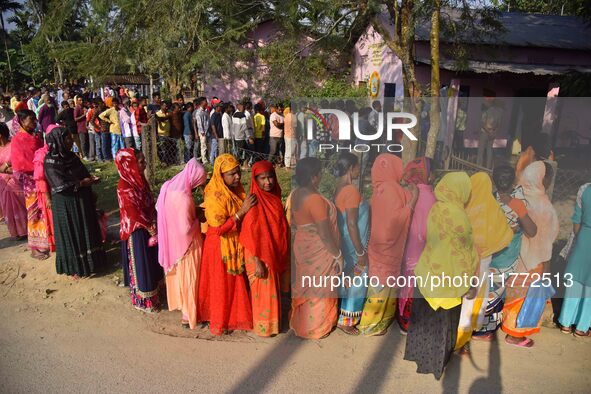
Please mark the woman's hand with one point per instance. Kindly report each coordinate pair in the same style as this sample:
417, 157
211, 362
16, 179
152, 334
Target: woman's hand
86, 182
260, 269
472, 293
250, 202
362, 261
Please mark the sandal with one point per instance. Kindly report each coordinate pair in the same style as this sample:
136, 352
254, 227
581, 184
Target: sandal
525, 343
349, 330
582, 334
40, 255
566, 330
185, 324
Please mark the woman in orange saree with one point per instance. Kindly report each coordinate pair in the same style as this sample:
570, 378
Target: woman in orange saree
264, 234
317, 255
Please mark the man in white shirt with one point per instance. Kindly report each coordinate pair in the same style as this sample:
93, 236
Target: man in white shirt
228, 143
276, 123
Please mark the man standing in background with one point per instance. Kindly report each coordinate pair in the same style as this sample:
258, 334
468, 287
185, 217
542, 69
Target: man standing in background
492, 116
201, 119
217, 131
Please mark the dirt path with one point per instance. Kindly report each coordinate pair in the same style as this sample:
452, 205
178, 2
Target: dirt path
60, 335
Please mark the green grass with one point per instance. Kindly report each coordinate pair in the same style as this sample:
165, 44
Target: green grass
107, 188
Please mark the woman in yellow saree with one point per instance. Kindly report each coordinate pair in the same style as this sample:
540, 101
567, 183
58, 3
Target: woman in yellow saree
449, 251
491, 234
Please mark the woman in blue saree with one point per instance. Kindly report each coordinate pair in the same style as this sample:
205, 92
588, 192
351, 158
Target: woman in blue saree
353, 222
576, 308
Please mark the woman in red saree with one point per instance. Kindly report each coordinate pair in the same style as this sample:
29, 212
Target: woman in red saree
264, 234
223, 294
22, 152
137, 230
12, 198
314, 309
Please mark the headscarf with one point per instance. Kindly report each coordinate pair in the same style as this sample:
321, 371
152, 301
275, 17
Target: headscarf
177, 216
449, 249
489, 225
23, 148
538, 249
390, 217
63, 169
526, 157
221, 204
136, 202
417, 171
264, 231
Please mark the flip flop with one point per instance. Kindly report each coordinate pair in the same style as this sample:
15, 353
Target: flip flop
523, 343
583, 335
566, 330
353, 332
488, 337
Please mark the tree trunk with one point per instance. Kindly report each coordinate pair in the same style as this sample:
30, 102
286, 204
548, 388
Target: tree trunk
434, 116
5, 36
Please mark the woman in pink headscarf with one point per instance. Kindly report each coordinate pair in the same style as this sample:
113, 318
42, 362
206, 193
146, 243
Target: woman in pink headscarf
180, 241
391, 213
419, 173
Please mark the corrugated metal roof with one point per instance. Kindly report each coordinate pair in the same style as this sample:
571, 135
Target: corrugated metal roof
127, 79
527, 30
515, 68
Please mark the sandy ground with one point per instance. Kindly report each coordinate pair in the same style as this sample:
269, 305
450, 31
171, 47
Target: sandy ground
60, 335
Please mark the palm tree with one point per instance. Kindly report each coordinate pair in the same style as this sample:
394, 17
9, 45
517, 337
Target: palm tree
5, 6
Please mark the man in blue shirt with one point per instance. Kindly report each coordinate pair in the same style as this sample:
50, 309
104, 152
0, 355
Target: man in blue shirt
188, 131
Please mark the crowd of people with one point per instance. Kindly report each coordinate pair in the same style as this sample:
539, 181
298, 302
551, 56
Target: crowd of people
234, 260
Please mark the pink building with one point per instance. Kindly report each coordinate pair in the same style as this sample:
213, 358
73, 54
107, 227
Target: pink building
525, 60
230, 88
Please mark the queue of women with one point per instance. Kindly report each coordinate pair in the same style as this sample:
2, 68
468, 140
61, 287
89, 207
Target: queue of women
230, 262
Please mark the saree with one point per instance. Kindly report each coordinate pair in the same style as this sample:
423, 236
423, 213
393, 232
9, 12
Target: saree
264, 235
43, 194
491, 233
314, 310
535, 251
12, 199
389, 228
576, 308
352, 297
137, 225
449, 249
223, 294
416, 172
22, 153
180, 242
